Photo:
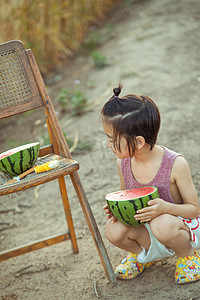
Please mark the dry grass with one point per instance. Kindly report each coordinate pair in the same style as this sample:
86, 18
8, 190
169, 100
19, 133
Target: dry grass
52, 29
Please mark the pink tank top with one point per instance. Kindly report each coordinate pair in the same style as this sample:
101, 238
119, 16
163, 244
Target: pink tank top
161, 180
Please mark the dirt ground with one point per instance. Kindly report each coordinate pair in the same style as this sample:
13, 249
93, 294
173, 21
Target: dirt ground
152, 48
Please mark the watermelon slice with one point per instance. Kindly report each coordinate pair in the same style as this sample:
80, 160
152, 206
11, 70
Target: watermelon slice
124, 204
19, 159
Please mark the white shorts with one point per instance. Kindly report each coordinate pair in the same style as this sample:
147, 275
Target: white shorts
159, 251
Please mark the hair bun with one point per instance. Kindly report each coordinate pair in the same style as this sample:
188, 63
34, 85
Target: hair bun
117, 90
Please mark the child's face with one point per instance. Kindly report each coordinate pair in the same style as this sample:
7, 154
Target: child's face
124, 153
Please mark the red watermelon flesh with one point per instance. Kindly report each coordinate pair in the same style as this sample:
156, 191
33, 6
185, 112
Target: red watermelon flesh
130, 194
4, 154
124, 204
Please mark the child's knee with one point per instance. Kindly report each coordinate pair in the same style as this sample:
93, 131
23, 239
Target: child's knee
109, 230
115, 232
163, 228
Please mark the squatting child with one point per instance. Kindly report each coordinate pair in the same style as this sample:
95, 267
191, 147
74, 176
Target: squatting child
131, 124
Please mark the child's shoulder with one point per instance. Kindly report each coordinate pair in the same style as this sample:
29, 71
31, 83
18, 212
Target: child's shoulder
168, 150
180, 166
180, 163
171, 153
178, 160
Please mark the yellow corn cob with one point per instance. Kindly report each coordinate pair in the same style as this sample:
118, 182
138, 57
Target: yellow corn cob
47, 166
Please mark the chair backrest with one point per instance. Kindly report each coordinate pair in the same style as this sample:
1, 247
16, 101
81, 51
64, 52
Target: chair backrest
18, 88
22, 88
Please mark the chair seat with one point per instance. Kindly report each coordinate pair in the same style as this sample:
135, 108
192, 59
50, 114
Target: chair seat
66, 166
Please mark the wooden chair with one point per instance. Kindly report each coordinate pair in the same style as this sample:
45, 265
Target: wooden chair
22, 89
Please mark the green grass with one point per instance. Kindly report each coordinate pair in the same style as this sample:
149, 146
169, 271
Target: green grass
92, 41
99, 59
75, 103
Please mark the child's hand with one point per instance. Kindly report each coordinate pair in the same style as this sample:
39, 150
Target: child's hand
156, 208
109, 213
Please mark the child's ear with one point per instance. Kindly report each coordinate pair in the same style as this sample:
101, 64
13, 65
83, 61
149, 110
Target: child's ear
139, 142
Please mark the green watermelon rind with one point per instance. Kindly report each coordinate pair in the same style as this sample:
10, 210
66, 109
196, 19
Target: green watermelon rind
20, 161
124, 210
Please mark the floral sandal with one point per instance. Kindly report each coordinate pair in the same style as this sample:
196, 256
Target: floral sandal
130, 267
187, 269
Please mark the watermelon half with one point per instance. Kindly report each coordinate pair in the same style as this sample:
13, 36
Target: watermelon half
19, 159
124, 204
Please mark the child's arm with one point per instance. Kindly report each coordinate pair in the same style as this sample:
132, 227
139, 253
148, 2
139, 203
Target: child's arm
123, 187
106, 208
189, 209
183, 179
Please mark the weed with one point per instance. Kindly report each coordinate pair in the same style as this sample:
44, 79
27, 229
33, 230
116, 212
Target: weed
62, 99
78, 103
99, 59
92, 41
75, 103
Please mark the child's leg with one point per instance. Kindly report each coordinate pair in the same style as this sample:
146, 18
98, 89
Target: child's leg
127, 237
172, 233
131, 239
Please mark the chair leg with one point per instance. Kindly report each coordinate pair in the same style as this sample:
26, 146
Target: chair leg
93, 226
68, 215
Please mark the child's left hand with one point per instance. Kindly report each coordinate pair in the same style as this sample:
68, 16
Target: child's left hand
156, 208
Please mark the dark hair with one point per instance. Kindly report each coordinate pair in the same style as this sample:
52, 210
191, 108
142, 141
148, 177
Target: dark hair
132, 116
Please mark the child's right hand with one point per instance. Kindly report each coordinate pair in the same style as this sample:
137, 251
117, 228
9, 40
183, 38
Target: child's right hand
109, 213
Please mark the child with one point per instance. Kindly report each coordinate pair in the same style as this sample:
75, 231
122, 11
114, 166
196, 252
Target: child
131, 124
